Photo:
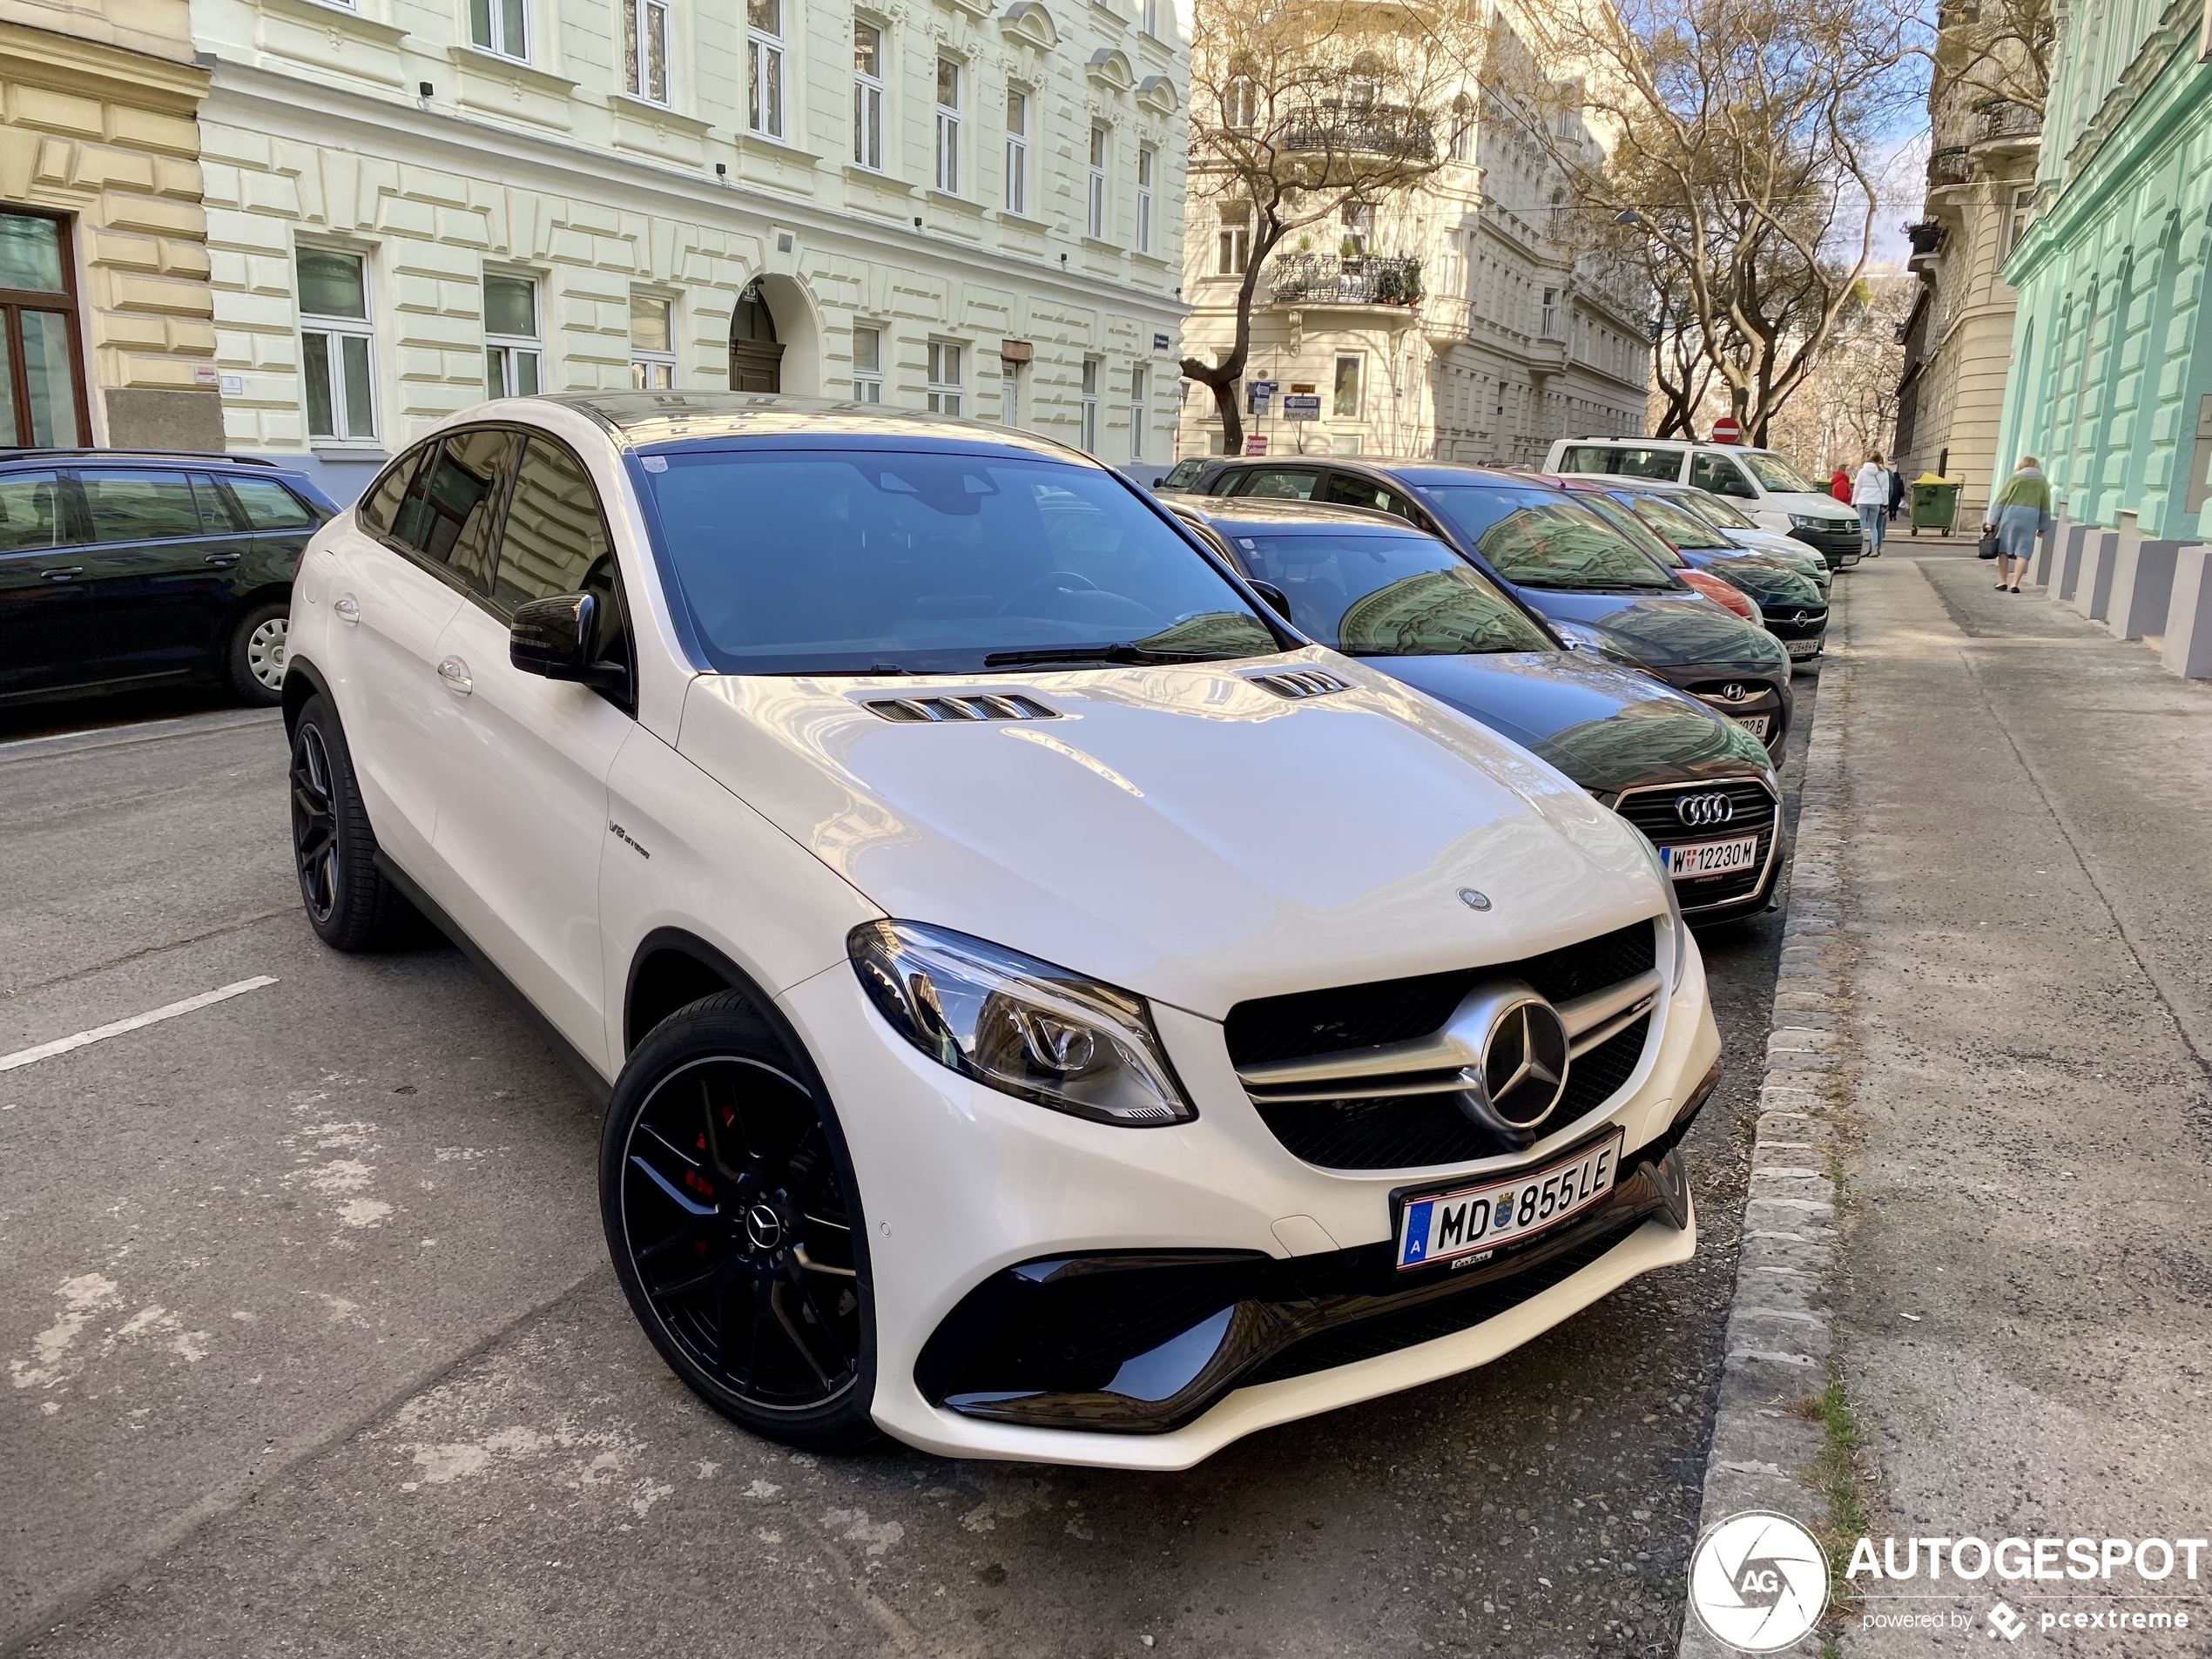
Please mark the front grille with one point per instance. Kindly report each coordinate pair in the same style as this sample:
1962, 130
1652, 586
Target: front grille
1654, 812
1836, 546
1797, 622
1412, 1131
1359, 1016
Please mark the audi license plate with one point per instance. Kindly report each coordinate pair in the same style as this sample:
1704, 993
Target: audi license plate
1712, 858
1754, 724
1476, 1220
1801, 647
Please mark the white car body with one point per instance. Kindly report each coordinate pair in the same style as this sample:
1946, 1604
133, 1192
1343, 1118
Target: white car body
1179, 831
1777, 510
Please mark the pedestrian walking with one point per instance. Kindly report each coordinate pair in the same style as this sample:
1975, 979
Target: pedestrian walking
1870, 493
1839, 486
1896, 492
2019, 513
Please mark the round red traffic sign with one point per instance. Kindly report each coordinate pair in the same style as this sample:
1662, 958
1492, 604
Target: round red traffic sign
1726, 430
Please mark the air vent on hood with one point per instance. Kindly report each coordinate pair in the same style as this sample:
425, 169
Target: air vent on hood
973, 705
1300, 682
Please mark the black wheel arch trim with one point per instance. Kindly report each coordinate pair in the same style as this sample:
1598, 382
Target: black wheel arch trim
311, 684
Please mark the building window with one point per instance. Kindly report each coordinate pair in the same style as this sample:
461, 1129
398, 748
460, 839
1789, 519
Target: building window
1148, 17
1009, 392
500, 26
1136, 413
1234, 251
1548, 321
867, 365
1240, 104
511, 349
867, 96
1463, 128
1347, 397
335, 342
1359, 231
764, 67
1096, 223
652, 343
42, 388
944, 378
1148, 161
1018, 152
2016, 221
948, 126
1089, 435
645, 49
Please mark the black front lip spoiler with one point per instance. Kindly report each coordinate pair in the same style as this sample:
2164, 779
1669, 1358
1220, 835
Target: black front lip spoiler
1282, 1304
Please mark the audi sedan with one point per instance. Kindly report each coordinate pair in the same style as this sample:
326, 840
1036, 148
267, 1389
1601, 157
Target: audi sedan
1699, 786
1595, 588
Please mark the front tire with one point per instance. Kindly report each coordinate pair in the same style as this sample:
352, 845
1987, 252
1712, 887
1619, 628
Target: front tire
254, 663
349, 904
735, 1226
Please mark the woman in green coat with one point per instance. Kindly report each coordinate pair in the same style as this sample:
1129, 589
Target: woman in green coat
2021, 512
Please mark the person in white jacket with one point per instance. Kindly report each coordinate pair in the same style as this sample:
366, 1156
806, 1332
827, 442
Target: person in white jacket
1870, 493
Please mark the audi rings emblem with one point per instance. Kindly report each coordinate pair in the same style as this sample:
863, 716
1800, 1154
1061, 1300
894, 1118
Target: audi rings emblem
1703, 812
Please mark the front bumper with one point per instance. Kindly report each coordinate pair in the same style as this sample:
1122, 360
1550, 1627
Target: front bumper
1840, 546
960, 1184
1738, 696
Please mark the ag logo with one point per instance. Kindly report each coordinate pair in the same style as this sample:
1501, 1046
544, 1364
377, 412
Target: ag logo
1758, 1582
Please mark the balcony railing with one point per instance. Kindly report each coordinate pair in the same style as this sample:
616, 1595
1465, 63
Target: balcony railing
1360, 279
1373, 129
2002, 118
1948, 166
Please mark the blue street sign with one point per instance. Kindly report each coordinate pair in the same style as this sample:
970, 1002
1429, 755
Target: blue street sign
1302, 407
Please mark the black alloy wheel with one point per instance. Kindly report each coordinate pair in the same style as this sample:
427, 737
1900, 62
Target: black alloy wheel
350, 904
730, 1217
315, 825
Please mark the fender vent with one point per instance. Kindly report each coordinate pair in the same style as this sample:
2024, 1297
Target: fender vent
1300, 684
973, 706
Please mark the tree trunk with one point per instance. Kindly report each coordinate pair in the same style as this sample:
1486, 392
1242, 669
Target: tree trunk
1222, 378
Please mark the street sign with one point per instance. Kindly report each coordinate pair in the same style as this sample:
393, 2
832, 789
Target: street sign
1301, 407
1258, 396
1255, 445
1161, 342
1726, 430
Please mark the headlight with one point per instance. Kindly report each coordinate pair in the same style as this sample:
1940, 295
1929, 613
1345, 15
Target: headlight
1810, 520
1021, 1026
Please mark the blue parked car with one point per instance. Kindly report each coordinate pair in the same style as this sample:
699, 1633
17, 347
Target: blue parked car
120, 569
1368, 584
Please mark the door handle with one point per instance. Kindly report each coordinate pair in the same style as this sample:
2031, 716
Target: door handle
219, 560
63, 573
348, 608
455, 673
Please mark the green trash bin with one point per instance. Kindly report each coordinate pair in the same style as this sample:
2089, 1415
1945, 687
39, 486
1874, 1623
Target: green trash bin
1935, 503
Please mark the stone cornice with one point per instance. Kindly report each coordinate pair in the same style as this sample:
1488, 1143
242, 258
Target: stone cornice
68, 63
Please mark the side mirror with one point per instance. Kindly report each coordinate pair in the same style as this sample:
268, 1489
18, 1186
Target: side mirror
1277, 601
558, 639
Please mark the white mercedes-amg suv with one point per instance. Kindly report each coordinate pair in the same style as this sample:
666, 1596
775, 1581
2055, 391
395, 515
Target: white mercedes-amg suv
1048, 1010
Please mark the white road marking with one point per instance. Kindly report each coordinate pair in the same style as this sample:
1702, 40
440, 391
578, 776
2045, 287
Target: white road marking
101, 1033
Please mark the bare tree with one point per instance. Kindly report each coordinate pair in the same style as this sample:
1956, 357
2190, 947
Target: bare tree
1303, 110
1999, 47
1743, 140
1848, 404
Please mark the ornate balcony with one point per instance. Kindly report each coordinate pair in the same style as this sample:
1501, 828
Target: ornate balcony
2000, 120
1948, 166
1357, 280
1336, 129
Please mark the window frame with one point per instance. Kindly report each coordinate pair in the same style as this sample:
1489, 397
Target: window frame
766, 117
635, 43
868, 98
1018, 152
334, 328
1147, 173
493, 38
948, 124
868, 380
1087, 408
644, 360
15, 301
1337, 410
1233, 241
1137, 410
1148, 18
531, 345
1097, 204
945, 393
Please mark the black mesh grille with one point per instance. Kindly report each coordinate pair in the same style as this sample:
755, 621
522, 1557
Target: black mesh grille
1782, 621
1358, 1016
1410, 1132
1655, 814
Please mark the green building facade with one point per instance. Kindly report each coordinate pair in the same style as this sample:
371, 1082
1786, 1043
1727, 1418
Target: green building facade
2111, 380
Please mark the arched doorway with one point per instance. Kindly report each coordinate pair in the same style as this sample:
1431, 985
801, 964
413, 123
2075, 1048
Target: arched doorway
756, 356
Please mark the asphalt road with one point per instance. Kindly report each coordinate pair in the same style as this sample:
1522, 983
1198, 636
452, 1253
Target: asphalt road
312, 1348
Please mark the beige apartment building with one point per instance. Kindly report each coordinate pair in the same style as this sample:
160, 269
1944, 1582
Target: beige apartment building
105, 312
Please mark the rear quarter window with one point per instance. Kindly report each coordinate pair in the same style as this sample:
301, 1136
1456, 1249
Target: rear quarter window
1625, 460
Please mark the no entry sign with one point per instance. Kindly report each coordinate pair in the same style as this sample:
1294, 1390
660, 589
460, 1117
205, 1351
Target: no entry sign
1726, 430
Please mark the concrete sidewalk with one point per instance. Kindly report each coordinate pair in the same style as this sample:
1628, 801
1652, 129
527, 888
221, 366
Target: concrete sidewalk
2022, 1323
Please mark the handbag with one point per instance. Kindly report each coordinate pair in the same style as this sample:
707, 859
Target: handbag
1986, 547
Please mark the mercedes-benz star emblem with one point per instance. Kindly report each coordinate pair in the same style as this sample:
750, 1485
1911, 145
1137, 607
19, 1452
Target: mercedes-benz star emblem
1473, 900
764, 1228
1524, 1063
1703, 812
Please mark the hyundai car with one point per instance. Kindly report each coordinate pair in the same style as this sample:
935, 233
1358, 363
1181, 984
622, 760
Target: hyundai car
1048, 1008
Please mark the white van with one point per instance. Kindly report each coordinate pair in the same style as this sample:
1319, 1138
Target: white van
1761, 483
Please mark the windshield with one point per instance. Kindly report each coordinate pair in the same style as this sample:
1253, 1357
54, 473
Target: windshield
809, 562
1388, 596
1777, 474
1616, 513
1714, 510
1682, 528
1540, 537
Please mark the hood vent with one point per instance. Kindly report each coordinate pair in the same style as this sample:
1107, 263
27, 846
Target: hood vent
1300, 683
972, 706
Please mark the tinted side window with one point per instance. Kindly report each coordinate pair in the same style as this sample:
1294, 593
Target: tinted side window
1184, 474
379, 508
1280, 484
269, 506
1354, 491
556, 534
217, 513
1722, 475
139, 506
451, 514
31, 511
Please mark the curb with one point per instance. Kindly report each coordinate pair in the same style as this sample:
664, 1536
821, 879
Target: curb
1780, 1325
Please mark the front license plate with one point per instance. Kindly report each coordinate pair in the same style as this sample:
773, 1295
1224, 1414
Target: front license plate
1474, 1221
1755, 724
1803, 647
1712, 858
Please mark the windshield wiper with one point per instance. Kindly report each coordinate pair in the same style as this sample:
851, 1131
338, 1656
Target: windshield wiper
1119, 651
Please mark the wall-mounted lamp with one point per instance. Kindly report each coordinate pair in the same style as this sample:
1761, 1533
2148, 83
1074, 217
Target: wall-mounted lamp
423, 88
917, 222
